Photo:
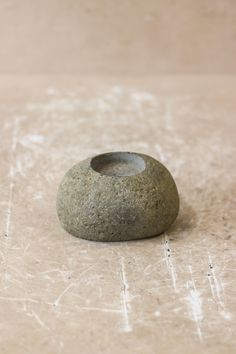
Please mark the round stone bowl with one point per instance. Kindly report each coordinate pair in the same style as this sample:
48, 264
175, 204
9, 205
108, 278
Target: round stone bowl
117, 196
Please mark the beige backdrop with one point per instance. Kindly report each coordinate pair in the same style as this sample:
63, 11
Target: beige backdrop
118, 37
170, 294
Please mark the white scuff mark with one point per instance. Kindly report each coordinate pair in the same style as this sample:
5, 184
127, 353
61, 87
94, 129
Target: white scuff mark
177, 309
32, 139
26, 162
195, 303
139, 99
215, 285
142, 97
50, 271
169, 262
160, 152
57, 301
157, 313
38, 196
9, 209
36, 138
65, 274
168, 116
217, 290
99, 309
125, 298
103, 106
18, 299
100, 292
226, 315
49, 177
23, 163
11, 176
38, 320
20, 274
110, 101
19, 168
150, 268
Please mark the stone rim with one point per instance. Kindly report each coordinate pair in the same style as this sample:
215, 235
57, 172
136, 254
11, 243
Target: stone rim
135, 164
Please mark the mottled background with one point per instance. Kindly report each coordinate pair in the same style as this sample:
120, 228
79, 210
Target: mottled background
118, 37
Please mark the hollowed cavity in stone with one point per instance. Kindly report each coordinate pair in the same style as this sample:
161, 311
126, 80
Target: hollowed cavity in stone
118, 164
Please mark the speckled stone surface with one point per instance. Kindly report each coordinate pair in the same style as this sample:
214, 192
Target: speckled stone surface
116, 197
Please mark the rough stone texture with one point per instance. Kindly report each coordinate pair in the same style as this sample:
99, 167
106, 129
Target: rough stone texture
116, 207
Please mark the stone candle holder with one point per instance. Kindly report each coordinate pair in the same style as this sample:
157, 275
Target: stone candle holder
117, 196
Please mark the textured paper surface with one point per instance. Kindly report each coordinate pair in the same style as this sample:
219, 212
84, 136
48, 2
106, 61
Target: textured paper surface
60, 294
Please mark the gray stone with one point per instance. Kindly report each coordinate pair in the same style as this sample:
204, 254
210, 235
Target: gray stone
117, 196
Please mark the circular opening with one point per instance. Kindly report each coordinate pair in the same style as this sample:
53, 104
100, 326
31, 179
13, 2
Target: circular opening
118, 164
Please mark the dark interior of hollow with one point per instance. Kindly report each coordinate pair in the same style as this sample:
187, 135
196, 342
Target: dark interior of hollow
118, 164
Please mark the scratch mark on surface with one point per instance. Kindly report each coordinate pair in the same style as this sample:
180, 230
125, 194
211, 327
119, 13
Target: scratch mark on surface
57, 301
19, 168
16, 299
169, 262
12, 178
87, 308
217, 289
15, 128
9, 209
150, 268
125, 298
160, 152
51, 271
195, 303
38, 319
214, 283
